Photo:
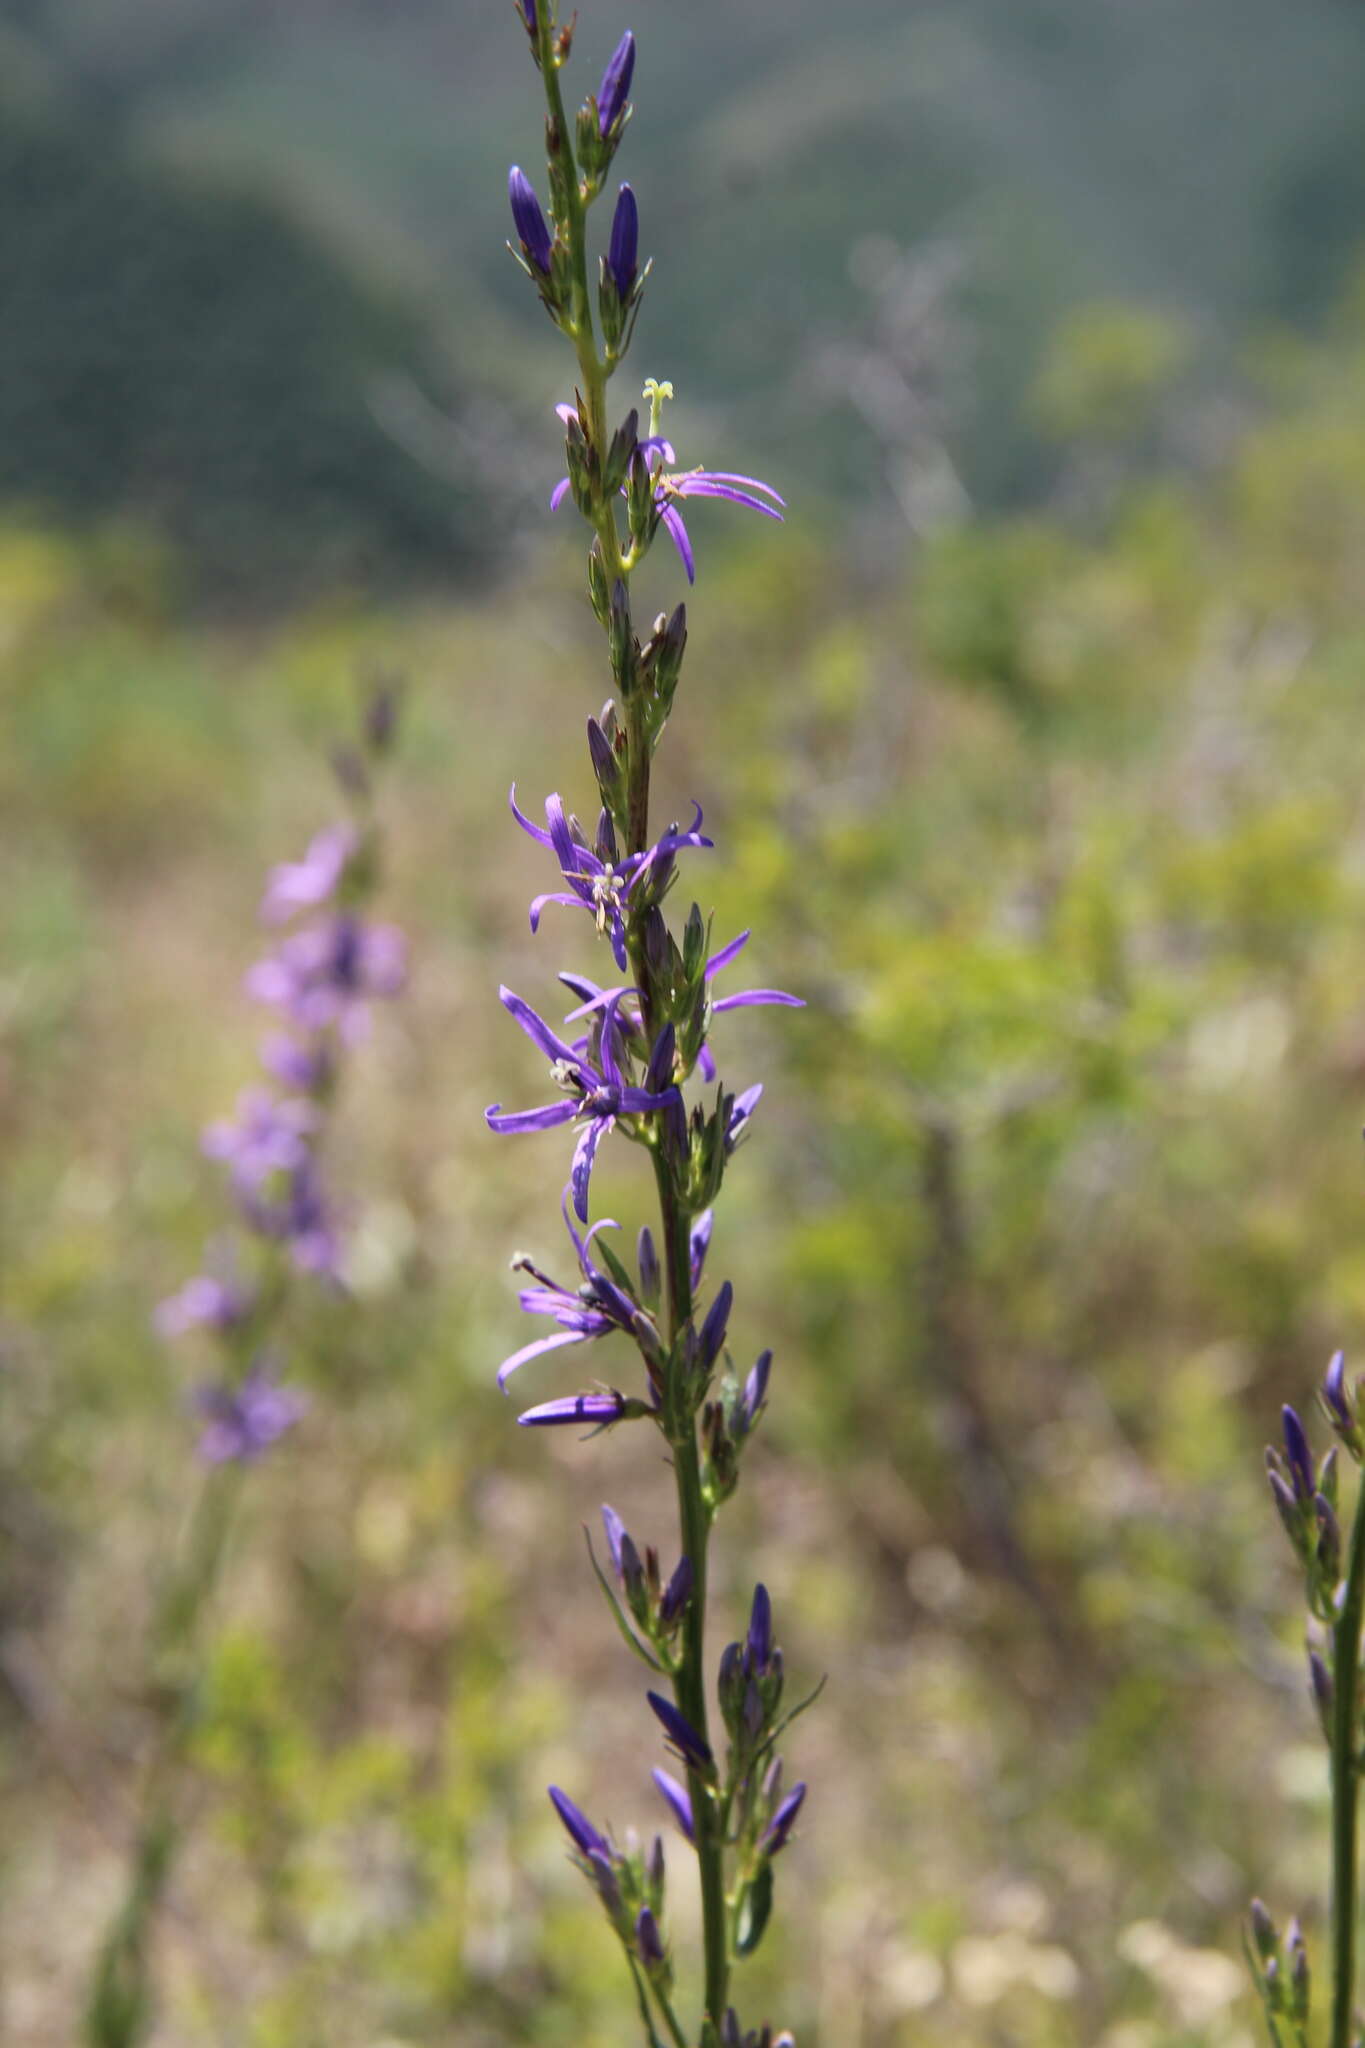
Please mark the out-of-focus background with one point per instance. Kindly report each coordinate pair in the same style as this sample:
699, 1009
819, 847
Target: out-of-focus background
1032, 747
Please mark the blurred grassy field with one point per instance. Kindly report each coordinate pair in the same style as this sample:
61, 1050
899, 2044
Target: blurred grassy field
1055, 1194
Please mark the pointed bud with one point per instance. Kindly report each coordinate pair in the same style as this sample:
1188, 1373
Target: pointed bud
1263, 1931
1298, 1455
614, 90
680, 1732
659, 1072
623, 250
1321, 1681
650, 1277
778, 1831
648, 1943
1329, 1538
530, 220
676, 1594
756, 1390
581, 1830
597, 585
712, 1333
678, 1799
616, 1531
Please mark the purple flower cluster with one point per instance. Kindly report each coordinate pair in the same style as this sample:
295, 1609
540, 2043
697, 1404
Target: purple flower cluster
329, 963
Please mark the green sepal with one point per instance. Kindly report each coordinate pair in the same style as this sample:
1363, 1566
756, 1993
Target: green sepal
755, 1905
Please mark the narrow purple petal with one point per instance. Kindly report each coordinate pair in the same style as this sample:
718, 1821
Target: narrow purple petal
536, 832
616, 1530
706, 1063
728, 476
536, 1029
548, 1119
639, 1101
782, 1822
706, 487
559, 493
673, 520
536, 1350
756, 998
727, 954
585, 1152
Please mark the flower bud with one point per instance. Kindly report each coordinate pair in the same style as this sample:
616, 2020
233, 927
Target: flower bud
614, 90
529, 220
648, 1943
623, 251
1298, 1456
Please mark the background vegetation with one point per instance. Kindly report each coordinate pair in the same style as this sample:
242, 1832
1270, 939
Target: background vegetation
1032, 748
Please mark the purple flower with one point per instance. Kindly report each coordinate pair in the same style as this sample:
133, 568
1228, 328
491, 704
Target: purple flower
304, 884
601, 882
243, 1421
678, 1799
581, 1830
779, 1828
203, 1301
680, 1732
598, 1096
623, 251
601, 1408
582, 1313
326, 974
269, 1137
530, 221
744, 999
708, 483
614, 90
308, 1068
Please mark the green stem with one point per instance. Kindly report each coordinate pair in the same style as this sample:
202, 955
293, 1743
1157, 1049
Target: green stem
689, 1684
1346, 1781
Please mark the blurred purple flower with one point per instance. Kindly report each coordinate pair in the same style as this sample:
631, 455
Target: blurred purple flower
327, 973
269, 1137
304, 884
243, 1421
203, 1302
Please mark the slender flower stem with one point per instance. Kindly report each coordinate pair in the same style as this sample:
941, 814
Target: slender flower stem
1346, 1782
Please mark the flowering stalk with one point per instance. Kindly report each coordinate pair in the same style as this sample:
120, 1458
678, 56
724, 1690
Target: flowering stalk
643, 1038
1306, 1496
319, 981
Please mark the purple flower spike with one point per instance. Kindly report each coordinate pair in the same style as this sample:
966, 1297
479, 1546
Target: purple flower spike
598, 1409
678, 1799
1299, 1455
615, 87
624, 249
779, 1828
581, 1830
530, 221
304, 884
680, 1732
243, 1421
648, 1941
